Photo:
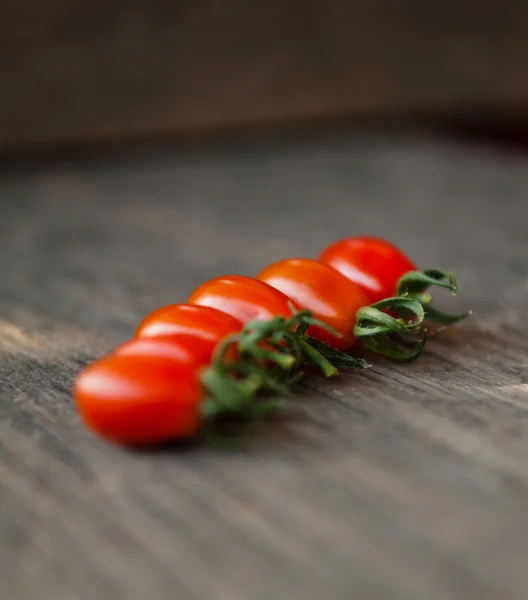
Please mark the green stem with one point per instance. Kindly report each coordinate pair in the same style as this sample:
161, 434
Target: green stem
285, 361
317, 359
223, 346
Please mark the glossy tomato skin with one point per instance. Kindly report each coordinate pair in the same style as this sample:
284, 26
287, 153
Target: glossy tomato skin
201, 327
139, 401
176, 320
330, 296
372, 263
244, 298
183, 350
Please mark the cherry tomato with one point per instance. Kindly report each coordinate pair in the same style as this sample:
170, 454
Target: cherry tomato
244, 298
330, 296
373, 263
176, 320
137, 401
186, 350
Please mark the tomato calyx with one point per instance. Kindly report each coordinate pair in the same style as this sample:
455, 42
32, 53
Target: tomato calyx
396, 327
289, 336
247, 388
232, 397
415, 284
396, 337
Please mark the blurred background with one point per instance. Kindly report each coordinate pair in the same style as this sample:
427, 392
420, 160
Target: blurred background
79, 72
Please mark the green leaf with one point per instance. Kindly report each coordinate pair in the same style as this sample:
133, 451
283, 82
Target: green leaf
436, 316
417, 282
395, 349
335, 357
371, 321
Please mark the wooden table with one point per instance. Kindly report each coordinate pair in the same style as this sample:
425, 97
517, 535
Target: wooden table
405, 482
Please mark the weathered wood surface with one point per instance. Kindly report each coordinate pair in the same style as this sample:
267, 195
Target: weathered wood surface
76, 70
407, 482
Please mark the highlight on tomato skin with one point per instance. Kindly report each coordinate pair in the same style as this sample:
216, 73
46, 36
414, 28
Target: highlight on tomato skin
244, 298
139, 401
330, 296
175, 320
372, 263
184, 350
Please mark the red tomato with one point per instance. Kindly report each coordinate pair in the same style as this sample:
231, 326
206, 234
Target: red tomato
185, 350
137, 401
330, 296
373, 263
244, 298
176, 320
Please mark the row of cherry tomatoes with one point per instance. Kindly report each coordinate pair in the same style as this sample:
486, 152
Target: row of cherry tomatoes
237, 336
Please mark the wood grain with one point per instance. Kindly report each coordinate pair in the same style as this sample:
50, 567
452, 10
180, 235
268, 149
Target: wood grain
78, 71
406, 482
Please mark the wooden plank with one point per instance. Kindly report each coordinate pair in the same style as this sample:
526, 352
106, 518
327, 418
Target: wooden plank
407, 482
75, 71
